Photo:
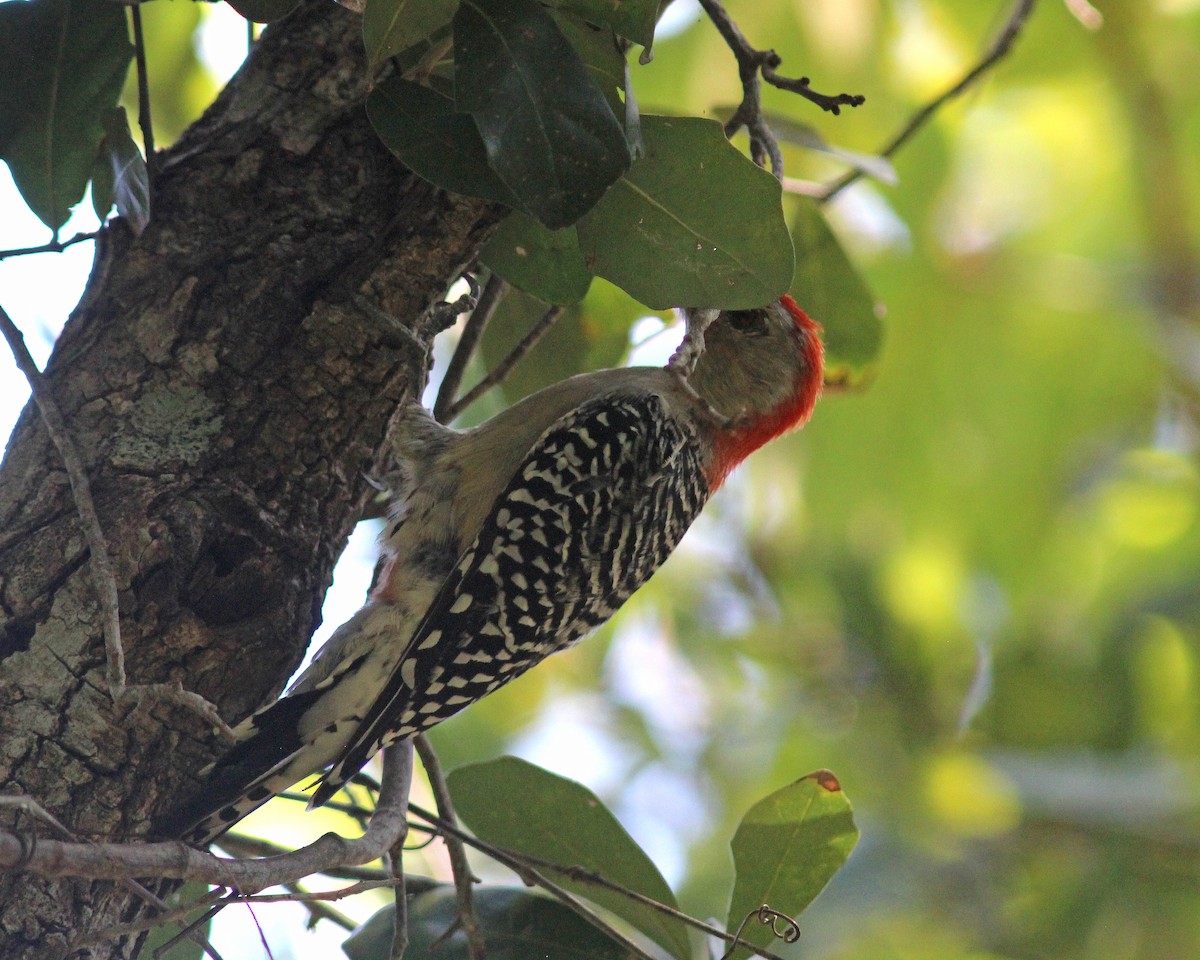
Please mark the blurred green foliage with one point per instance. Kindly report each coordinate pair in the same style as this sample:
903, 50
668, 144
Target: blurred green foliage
970, 588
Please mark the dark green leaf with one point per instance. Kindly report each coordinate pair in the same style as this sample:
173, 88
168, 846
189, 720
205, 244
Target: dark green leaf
264, 11
420, 127
390, 26
128, 182
832, 291
597, 48
66, 61
634, 19
517, 805
707, 219
517, 925
545, 263
550, 134
786, 849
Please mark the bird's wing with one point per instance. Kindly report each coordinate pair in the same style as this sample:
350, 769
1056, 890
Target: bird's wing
597, 505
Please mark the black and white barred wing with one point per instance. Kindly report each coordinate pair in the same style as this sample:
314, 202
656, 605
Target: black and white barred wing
599, 503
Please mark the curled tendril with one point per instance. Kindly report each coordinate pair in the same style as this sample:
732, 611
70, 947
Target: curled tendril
782, 927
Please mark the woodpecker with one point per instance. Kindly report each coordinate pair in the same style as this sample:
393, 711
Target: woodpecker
513, 540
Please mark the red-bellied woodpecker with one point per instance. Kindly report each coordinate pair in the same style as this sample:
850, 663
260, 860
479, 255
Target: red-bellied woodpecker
513, 540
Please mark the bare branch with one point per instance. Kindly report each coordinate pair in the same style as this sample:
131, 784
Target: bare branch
498, 373
754, 66
104, 580
459, 866
144, 121
174, 859
54, 246
493, 292
395, 865
994, 54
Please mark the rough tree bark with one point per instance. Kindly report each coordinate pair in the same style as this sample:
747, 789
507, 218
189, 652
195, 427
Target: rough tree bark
228, 391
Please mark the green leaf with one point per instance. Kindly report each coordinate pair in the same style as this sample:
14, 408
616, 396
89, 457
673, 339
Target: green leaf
545, 263
693, 223
420, 127
634, 19
517, 805
127, 182
390, 26
517, 925
66, 61
597, 48
833, 293
264, 11
786, 849
550, 134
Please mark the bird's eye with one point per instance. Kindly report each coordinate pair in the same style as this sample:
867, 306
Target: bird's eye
752, 322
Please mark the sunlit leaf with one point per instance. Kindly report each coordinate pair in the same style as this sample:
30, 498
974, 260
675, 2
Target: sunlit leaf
549, 131
517, 925
692, 223
786, 849
520, 806
545, 263
420, 127
833, 292
390, 26
66, 61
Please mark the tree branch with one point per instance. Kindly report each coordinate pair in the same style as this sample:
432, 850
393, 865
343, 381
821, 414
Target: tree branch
176, 860
459, 866
497, 374
493, 292
144, 121
755, 65
104, 580
54, 246
994, 54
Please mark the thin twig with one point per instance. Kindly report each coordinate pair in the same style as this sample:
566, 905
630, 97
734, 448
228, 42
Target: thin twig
395, 865
31, 808
54, 246
496, 375
144, 121
318, 909
244, 847
995, 53
459, 866
755, 65
103, 578
582, 874
493, 292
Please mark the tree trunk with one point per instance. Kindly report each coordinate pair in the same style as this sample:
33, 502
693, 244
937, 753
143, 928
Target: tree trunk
228, 392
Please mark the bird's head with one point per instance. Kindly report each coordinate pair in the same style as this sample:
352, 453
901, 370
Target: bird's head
763, 370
